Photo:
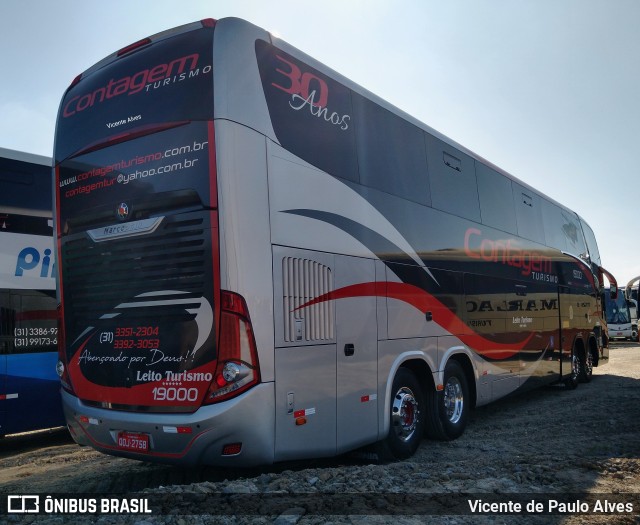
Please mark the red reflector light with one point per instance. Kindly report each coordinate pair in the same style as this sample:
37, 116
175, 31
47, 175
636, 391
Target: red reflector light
134, 46
208, 22
221, 381
83, 419
184, 430
231, 449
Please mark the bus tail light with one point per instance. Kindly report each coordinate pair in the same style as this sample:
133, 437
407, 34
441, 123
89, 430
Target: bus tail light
237, 369
61, 367
133, 47
208, 22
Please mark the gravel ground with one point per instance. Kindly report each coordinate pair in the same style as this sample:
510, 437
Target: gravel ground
575, 452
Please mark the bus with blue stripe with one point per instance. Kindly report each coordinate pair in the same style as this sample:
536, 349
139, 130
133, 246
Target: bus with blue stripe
29, 385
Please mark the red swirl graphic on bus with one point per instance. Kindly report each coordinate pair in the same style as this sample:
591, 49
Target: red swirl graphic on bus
425, 302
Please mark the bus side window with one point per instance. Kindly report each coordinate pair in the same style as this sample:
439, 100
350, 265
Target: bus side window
496, 199
452, 175
528, 213
391, 152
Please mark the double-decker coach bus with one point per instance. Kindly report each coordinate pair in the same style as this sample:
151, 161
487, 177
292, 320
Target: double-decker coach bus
261, 261
29, 385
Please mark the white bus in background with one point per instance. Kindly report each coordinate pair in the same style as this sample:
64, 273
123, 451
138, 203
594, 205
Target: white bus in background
633, 312
617, 315
631, 293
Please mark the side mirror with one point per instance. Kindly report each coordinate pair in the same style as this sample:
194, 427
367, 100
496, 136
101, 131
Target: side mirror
613, 284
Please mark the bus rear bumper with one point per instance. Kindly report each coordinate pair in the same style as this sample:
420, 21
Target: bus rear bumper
244, 425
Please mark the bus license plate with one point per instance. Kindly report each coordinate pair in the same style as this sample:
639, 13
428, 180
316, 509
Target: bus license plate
133, 441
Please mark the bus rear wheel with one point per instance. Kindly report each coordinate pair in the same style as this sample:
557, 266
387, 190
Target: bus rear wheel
406, 417
576, 367
448, 409
586, 370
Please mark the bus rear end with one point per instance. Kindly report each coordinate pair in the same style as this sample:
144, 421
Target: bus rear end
156, 360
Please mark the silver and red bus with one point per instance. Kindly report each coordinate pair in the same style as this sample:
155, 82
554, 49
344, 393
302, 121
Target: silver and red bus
260, 261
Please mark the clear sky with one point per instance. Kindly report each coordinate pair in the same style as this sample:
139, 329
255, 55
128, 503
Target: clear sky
546, 89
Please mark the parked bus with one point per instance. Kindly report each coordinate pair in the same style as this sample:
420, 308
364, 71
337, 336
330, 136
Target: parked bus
633, 313
262, 261
631, 293
618, 316
29, 385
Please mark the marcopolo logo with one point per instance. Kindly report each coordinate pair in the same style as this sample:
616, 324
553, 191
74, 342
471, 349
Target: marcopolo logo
122, 211
35, 264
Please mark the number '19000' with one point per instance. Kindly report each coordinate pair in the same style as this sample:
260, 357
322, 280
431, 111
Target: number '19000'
175, 394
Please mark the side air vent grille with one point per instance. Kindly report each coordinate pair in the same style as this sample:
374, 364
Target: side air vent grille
305, 280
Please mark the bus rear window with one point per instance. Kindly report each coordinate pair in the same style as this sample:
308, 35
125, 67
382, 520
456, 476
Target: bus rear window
169, 81
137, 172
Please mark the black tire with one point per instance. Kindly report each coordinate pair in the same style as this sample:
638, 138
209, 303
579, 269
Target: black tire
586, 368
406, 417
572, 380
448, 409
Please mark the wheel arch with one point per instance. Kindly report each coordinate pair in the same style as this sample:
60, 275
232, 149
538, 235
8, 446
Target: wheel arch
579, 346
418, 365
421, 370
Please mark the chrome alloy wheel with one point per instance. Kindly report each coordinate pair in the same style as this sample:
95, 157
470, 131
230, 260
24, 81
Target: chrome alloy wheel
453, 400
405, 414
575, 366
588, 365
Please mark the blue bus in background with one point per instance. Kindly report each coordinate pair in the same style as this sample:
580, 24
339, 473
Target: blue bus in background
29, 385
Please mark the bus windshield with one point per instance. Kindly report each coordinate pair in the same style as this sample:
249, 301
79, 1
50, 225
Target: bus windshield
617, 310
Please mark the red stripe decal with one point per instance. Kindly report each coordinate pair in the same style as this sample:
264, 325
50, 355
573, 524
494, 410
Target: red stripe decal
425, 302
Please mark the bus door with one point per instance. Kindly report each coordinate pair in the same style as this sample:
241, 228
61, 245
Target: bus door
357, 352
326, 355
305, 354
